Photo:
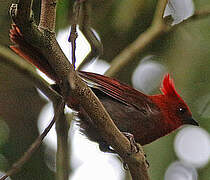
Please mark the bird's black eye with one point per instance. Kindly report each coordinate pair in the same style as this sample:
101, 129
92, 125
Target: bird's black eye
182, 110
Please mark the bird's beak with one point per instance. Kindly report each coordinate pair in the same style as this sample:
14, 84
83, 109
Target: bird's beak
192, 122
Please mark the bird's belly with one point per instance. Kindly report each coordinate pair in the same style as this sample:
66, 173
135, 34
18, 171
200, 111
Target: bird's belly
131, 120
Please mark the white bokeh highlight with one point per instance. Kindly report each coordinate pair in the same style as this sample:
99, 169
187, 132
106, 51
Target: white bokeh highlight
148, 75
179, 10
180, 171
98, 168
97, 66
192, 145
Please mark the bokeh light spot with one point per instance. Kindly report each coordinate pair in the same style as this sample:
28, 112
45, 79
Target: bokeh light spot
97, 169
192, 145
147, 75
179, 10
97, 66
180, 171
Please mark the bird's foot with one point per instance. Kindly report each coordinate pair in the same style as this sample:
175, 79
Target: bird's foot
104, 147
134, 145
134, 148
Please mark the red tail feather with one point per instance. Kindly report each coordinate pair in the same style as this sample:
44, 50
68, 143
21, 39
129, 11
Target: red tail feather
30, 53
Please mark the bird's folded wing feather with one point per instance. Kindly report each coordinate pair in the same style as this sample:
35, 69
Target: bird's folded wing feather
116, 89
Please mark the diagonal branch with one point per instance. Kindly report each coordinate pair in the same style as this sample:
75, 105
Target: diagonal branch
108, 130
156, 29
43, 40
199, 14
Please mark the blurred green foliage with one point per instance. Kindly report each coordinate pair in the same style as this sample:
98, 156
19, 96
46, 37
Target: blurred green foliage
185, 52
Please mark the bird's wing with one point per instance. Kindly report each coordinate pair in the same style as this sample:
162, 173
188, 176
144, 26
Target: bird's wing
115, 89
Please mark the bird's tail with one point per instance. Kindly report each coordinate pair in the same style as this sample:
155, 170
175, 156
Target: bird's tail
30, 53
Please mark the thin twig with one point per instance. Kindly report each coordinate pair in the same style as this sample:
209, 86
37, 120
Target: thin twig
199, 14
73, 34
85, 27
27, 155
159, 12
158, 27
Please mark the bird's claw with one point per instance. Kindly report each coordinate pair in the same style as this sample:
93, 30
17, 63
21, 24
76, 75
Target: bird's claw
104, 147
134, 148
134, 145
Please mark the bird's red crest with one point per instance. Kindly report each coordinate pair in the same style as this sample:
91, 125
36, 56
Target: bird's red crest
168, 86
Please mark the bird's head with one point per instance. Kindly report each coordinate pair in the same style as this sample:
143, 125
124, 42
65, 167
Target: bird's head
173, 107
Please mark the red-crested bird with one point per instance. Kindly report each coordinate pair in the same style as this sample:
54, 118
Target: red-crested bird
146, 117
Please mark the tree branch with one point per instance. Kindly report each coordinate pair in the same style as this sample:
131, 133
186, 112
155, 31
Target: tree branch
45, 41
48, 15
107, 128
158, 27
102, 120
17, 9
128, 54
159, 12
73, 34
199, 14
47, 23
